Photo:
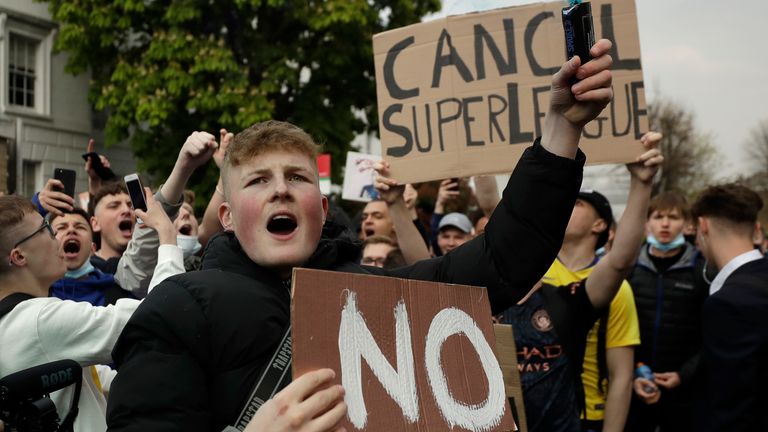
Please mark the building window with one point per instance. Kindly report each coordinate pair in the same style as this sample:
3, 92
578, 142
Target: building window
22, 62
31, 177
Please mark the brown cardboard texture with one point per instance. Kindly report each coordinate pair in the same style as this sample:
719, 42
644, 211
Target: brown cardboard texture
507, 355
411, 355
465, 95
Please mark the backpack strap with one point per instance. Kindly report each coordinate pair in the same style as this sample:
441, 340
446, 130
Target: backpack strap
7, 304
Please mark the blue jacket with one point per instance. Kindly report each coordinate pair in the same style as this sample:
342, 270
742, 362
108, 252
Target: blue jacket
98, 289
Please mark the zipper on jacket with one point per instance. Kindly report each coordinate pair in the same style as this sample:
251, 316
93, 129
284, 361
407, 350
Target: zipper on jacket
657, 321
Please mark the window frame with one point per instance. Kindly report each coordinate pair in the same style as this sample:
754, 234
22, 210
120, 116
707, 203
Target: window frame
42, 89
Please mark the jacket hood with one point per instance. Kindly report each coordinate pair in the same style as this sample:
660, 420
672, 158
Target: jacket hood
337, 246
687, 260
91, 288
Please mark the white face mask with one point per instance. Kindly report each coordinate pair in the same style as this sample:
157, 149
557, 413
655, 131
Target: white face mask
188, 244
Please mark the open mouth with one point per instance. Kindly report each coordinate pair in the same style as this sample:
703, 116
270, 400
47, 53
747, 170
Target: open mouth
126, 228
185, 229
369, 232
71, 248
282, 224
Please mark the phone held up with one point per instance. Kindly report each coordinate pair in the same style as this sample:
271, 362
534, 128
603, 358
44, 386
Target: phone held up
68, 178
136, 192
579, 31
103, 172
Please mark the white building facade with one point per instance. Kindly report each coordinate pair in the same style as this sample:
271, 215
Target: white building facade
45, 117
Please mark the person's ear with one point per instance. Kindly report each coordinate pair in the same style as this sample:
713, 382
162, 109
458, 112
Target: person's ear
703, 225
225, 216
95, 227
17, 258
599, 226
325, 205
93, 248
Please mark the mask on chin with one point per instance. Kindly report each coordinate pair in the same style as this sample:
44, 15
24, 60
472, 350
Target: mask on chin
666, 247
84, 269
189, 244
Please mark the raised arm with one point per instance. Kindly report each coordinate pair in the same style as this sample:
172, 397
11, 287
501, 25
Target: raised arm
211, 224
608, 274
408, 237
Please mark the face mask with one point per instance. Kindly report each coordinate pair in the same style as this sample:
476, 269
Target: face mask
600, 252
674, 244
86, 268
188, 244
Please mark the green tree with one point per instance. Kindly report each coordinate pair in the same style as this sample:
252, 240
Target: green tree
688, 152
164, 68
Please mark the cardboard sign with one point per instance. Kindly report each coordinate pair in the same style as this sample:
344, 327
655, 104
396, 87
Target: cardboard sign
411, 355
359, 176
507, 354
465, 95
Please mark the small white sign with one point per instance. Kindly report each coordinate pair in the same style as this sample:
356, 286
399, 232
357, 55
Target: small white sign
359, 177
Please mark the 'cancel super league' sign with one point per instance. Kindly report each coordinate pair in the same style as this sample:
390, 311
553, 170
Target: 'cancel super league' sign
465, 95
411, 355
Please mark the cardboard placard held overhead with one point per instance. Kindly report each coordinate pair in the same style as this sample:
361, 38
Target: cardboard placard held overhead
465, 95
411, 355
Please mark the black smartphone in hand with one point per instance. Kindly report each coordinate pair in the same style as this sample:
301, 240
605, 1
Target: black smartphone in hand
579, 31
68, 178
103, 172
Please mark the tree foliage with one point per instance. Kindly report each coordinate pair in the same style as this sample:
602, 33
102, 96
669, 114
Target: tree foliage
164, 68
688, 152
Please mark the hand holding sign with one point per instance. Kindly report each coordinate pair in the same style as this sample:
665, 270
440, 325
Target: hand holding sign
388, 189
305, 405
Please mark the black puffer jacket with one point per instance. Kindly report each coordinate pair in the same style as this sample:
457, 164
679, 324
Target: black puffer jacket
669, 312
191, 353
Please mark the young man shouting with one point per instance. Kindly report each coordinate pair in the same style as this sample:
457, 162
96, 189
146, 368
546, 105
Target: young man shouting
209, 335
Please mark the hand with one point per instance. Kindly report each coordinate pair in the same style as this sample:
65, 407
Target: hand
224, 141
649, 398
53, 200
389, 190
196, 151
582, 102
92, 176
647, 165
668, 380
156, 218
449, 190
304, 406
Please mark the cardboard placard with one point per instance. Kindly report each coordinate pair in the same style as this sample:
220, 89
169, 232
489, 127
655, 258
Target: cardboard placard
465, 95
411, 355
359, 176
507, 355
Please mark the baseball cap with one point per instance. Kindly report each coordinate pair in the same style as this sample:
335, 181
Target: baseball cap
456, 220
603, 208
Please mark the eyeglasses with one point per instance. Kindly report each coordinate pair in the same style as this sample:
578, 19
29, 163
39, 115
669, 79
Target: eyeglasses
45, 225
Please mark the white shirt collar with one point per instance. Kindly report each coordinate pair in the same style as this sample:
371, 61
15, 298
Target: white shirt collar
731, 267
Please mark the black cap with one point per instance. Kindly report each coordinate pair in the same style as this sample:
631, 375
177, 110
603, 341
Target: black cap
603, 209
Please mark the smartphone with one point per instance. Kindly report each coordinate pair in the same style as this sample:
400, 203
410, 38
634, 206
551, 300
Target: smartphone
67, 177
103, 172
456, 186
136, 192
579, 31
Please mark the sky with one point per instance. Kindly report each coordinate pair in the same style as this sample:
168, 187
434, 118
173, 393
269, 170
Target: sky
709, 56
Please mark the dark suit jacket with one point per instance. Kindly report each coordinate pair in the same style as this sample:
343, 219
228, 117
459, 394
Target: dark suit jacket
735, 336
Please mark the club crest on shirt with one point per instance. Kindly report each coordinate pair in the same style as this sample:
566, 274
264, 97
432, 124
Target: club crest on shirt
541, 321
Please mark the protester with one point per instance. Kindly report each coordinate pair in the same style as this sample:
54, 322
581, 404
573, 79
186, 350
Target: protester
454, 230
735, 317
113, 219
274, 213
41, 329
82, 281
608, 357
551, 324
375, 250
669, 290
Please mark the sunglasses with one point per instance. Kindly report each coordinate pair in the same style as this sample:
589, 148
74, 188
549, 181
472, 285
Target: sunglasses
45, 225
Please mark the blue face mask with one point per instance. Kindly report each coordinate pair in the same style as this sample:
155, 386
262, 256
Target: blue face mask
86, 268
666, 247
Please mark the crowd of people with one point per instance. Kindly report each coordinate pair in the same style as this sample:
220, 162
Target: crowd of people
653, 322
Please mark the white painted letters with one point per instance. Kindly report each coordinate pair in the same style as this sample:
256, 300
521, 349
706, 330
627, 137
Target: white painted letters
356, 341
480, 417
